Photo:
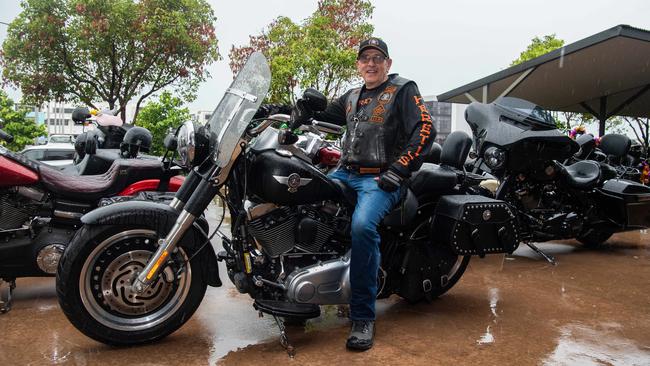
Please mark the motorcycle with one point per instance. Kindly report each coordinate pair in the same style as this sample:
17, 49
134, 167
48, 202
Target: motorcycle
613, 153
41, 207
137, 271
519, 143
96, 150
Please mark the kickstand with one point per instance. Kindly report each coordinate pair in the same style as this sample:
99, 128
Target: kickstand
548, 257
284, 340
6, 290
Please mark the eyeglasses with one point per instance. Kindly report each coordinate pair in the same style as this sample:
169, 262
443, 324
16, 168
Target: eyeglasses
376, 59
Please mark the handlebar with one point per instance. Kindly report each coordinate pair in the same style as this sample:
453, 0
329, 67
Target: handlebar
267, 122
5, 136
327, 127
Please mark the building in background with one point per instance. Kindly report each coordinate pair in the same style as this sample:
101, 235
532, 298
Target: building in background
447, 117
201, 117
57, 117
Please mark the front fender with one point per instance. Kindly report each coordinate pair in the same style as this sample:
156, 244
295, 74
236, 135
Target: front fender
160, 217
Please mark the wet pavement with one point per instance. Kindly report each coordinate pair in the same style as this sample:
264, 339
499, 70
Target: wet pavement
593, 308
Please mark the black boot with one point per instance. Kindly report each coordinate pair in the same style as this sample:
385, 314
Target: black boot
362, 335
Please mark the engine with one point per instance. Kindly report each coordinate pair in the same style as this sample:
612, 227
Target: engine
295, 249
550, 214
18, 205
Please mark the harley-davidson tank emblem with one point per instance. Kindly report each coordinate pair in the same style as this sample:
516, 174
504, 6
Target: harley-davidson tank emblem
293, 181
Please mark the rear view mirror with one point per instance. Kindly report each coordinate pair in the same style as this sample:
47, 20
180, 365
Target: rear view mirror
80, 115
315, 99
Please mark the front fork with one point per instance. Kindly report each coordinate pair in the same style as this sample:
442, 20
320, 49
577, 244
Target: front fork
198, 191
200, 187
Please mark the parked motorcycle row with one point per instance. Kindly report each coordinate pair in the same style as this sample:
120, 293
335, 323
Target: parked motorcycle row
135, 271
41, 205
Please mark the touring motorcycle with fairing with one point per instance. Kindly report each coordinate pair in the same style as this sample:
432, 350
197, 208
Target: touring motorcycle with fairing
137, 271
519, 143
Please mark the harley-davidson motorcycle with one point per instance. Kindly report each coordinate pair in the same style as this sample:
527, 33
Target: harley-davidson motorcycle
137, 271
41, 207
519, 143
96, 150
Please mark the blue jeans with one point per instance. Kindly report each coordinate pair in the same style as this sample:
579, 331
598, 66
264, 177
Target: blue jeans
373, 203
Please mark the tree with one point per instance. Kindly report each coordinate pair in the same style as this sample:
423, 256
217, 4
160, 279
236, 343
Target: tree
162, 117
318, 53
24, 130
539, 47
641, 129
114, 51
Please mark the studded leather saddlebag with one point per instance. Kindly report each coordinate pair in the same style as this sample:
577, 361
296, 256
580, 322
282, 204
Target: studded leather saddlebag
475, 225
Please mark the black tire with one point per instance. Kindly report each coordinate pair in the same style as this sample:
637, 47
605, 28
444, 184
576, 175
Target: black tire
446, 266
452, 276
593, 237
93, 277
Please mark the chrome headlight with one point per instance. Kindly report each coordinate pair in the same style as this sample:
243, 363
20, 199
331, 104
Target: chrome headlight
494, 157
186, 144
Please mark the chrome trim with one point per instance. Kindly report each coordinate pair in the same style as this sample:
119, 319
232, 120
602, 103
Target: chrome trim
68, 214
168, 244
48, 258
176, 204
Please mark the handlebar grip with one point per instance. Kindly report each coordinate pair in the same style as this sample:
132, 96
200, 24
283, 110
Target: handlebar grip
335, 128
5, 136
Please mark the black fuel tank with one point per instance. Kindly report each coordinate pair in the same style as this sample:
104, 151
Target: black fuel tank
284, 179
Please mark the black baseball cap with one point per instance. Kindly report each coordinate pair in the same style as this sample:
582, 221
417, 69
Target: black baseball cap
376, 43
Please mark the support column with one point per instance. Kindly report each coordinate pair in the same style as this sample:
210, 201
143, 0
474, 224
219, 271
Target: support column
602, 116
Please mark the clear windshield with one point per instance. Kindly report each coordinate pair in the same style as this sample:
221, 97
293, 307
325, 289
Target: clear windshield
527, 110
238, 105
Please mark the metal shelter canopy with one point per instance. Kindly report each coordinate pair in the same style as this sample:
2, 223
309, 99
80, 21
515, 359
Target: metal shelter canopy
605, 74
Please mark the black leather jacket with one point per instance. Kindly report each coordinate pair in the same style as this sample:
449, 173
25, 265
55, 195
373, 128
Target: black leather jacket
387, 127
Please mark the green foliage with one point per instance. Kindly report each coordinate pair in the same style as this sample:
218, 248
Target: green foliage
539, 47
161, 117
568, 120
24, 130
319, 53
114, 51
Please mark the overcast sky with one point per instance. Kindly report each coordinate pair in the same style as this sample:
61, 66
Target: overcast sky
440, 45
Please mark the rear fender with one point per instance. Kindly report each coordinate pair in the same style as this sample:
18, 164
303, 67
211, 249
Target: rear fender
161, 218
152, 185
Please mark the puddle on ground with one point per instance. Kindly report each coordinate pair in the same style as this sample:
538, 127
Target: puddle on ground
583, 345
488, 337
548, 248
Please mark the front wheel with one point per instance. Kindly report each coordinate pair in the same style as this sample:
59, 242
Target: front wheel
93, 285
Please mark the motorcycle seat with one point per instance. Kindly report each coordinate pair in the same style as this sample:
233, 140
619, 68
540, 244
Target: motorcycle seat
90, 188
583, 175
432, 179
402, 214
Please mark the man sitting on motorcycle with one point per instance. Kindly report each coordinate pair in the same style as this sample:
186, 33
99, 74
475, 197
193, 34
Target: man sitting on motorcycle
389, 130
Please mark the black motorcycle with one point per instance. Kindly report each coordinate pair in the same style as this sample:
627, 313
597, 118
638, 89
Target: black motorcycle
137, 271
519, 143
96, 150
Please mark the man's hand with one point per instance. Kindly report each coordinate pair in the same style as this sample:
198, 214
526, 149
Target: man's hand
266, 110
390, 180
301, 114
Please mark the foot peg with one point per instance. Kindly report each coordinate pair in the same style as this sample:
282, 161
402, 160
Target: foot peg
6, 292
549, 258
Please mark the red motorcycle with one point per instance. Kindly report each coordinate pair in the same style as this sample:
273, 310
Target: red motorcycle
41, 207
